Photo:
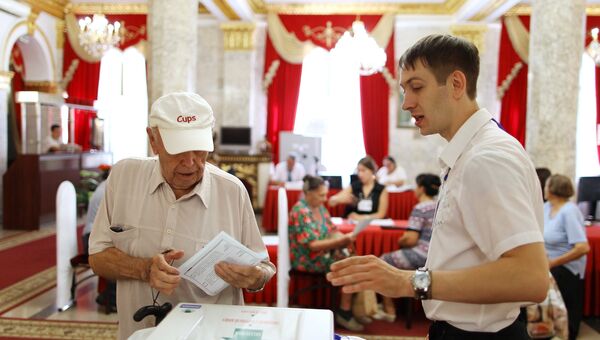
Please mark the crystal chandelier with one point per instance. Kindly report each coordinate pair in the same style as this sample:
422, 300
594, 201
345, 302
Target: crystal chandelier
97, 35
356, 43
593, 48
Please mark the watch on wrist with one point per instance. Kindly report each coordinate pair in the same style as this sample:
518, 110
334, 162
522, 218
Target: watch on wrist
421, 282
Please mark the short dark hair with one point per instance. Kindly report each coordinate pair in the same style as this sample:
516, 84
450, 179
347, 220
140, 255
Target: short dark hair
430, 182
561, 186
444, 54
368, 163
54, 127
543, 175
390, 158
312, 183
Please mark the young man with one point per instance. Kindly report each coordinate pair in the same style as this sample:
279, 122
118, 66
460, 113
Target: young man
486, 257
157, 213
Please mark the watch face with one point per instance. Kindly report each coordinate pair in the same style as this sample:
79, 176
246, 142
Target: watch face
421, 280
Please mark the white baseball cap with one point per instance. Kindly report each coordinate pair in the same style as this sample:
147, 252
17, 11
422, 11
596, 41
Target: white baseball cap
185, 121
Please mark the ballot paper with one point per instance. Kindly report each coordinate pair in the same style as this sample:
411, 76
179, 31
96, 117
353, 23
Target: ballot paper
360, 226
200, 268
387, 222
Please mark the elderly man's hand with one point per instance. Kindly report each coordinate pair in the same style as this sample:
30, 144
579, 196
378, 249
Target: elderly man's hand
164, 277
360, 273
240, 276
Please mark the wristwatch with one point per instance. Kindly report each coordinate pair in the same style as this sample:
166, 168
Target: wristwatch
421, 282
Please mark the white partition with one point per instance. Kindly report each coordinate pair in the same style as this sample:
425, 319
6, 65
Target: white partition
66, 243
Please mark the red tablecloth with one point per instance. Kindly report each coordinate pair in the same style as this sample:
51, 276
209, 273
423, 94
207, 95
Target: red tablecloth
270, 215
399, 207
373, 240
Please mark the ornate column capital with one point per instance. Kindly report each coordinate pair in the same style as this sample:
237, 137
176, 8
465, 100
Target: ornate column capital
31, 22
238, 36
5, 78
474, 33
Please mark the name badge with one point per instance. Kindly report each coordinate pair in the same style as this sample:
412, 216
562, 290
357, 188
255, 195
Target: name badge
365, 205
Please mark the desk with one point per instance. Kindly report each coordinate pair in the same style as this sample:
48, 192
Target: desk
373, 240
399, 207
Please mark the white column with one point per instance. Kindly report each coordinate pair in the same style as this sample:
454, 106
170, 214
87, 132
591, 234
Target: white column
172, 30
5, 78
555, 49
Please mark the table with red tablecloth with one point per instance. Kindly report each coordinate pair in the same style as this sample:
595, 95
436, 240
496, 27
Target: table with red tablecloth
399, 207
376, 240
372, 240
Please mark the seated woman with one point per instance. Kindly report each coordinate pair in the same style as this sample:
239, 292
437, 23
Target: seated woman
313, 238
414, 243
365, 198
566, 244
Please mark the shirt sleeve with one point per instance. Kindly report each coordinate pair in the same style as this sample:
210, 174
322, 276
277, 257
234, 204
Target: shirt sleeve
100, 237
574, 225
499, 204
302, 228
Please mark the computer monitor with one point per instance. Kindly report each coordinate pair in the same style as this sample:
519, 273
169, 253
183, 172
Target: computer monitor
588, 191
353, 178
335, 182
235, 139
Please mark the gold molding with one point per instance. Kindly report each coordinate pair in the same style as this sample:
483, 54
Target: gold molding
226, 9
202, 9
33, 15
52, 7
446, 8
258, 6
5, 79
487, 10
473, 33
60, 34
238, 36
523, 9
46, 86
106, 8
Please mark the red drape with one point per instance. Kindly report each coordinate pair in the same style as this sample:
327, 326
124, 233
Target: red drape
83, 88
374, 100
17, 65
284, 89
514, 103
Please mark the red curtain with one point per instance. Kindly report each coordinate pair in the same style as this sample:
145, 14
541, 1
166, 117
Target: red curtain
284, 89
514, 103
83, 88
17, 65
374, 100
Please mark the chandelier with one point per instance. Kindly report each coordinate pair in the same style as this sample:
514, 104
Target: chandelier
593, 48
362, 48
97, 35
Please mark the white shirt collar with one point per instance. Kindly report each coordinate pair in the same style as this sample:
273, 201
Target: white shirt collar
463, 136
202, 189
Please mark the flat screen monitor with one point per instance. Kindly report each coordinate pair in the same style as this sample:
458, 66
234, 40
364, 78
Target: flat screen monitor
353, 178
235, 139
588, 190
335, 182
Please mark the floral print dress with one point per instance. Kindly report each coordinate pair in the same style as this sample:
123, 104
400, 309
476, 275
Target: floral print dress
303, 229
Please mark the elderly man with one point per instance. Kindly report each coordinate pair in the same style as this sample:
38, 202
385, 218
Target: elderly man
157, 213
288, 171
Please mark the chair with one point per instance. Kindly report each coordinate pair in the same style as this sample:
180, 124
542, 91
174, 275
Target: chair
80, 263
283, 262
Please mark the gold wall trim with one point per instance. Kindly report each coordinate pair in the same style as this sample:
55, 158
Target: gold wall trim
107, 8
258, 6
487, 10
46, 86
52, 7
446, 8
202, 9
473, 33
226, 9
31, 22
238, 36
60, 34
5, 79
522, 9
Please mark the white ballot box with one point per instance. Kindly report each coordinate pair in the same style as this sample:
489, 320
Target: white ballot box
224, 322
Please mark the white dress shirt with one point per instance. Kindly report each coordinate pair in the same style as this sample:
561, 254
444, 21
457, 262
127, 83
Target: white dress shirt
139, 200
490, 202
281, 172
384, 176
51, 142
